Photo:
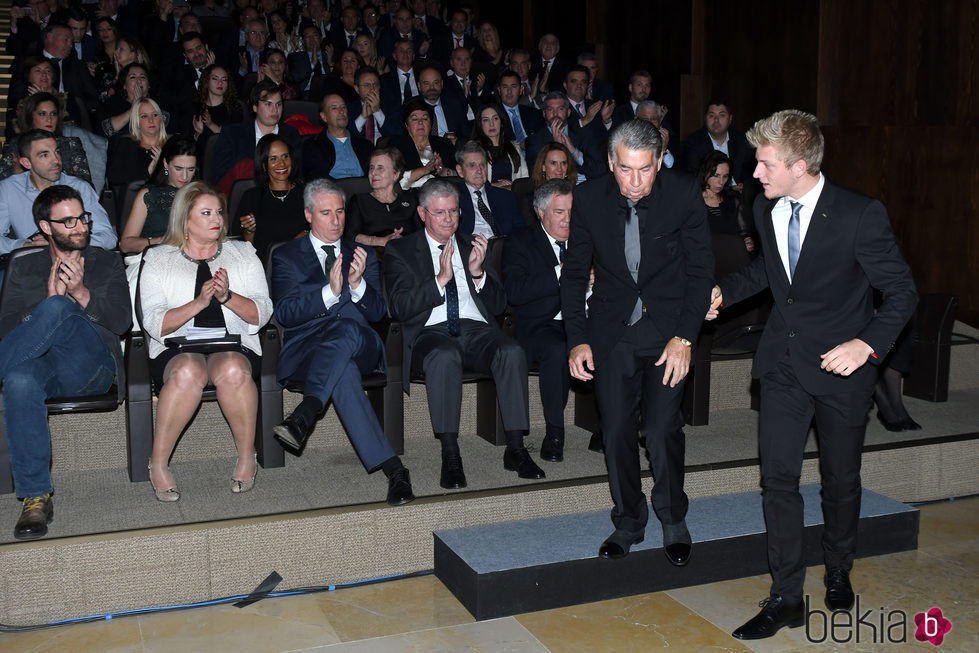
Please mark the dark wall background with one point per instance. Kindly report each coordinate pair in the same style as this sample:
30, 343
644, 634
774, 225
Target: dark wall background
894, 84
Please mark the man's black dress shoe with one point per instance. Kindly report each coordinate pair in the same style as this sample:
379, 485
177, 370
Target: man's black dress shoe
453, 476
677, 553
676, 543
519, 461
839, 592
552, 448
596, 443
775, 614
618, 544
294, 432
399, 488
35, 516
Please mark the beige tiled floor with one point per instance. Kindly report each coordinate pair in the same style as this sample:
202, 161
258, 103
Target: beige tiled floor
420, 614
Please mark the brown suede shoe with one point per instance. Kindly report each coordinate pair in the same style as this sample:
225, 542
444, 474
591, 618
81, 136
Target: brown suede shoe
35, 516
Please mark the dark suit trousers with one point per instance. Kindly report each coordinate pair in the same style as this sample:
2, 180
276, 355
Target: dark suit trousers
632, 398
333, 370
786, 413
480, 348
549, 349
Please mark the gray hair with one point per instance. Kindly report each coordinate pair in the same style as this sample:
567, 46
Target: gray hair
586, 56
318, 187
435, 188
471, 147
635, 135
557, 95
649, 104
546, 192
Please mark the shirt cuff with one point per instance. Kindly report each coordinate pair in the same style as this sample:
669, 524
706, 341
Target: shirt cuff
668, 159
329, 299
356, 294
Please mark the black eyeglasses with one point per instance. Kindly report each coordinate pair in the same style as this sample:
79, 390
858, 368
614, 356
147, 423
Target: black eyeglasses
72, 220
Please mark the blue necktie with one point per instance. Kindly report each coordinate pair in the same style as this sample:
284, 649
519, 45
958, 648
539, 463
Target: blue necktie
451, 305
563, 247
407, 89
795, 246
518, 132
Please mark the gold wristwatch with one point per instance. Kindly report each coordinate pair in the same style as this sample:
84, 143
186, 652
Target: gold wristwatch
683, 341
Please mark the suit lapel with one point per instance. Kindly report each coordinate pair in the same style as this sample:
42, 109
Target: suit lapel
542, 241
819, 225
770, 244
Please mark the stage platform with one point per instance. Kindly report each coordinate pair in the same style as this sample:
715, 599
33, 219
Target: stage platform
503, 569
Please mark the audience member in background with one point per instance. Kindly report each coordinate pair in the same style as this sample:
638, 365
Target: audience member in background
366, 47
520, 120
400, 84
134, 156
453, 38
387, 212
520, 63
43, 110
40, 158
106, 38
281, 34
718, 134
39, 76
467, 86
344, 75
237, 141
553, 162
446, 292
335, 152
506, 158
532, 262
490, 51
199, 281
272, 67
596, 114
451, 114
256, 37
655, 113
217, 104
148, 220
426, 155
891, 411
369, 119
483, 209
344, 30
549, 70
327, 290
272, 211
44, 352
581, 142
108, 73
725, 210
598, 89
26, 24
310, 62
640, 86
133, 83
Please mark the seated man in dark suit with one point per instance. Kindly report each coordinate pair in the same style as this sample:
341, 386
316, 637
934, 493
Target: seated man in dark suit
451, 112
549, 70
453, 38
399, 84
256, 38
369, 119
310, 63
84, 43
335, 152
402, 29
341, 36
580, 142
532, 262
181, 96
640, 86
598, 89
596, 114
237, 141
445, 290
718, 134
465, 85
326, 289
483, 209
520, 120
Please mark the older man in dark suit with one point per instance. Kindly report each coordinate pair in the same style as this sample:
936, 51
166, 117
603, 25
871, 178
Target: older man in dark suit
532, 264
580, 141
445, 290
646, 236
483, 209
326, 291
824, 251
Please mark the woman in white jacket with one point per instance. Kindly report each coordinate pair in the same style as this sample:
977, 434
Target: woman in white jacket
199, 294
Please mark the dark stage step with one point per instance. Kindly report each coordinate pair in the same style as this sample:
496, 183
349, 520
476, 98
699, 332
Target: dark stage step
509, 568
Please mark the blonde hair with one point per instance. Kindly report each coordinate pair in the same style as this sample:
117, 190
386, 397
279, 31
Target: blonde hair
183, 203
134, 119
795, 135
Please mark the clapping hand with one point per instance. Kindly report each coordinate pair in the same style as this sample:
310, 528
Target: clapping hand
357, 267
477, 255
445, 265
221, 285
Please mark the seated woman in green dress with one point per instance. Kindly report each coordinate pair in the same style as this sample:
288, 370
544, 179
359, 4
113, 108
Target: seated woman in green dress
150, 214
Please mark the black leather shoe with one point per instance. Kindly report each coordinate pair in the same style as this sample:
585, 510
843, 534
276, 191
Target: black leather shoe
676, 543
618, 544
519, 461
596, 443
775, 614
399, 488
552, 448
294, 432
453, 476
35, 516
839, 592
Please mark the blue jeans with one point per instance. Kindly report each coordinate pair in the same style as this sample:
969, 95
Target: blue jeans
59, 352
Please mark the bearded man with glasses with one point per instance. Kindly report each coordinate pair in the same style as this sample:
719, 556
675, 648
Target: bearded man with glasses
64, 310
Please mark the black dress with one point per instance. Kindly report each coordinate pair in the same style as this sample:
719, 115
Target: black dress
220, 116
276, 220
128, 162
367, 215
